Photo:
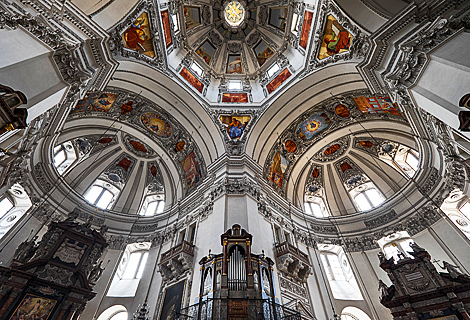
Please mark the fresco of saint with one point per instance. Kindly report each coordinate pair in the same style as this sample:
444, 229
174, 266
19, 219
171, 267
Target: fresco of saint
235, 125
278, 168
137, 36
155, 123
336, 39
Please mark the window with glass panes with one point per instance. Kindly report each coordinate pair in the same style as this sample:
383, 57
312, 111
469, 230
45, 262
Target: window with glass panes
316, 208
101, 196
135, 265
368, 199
5, 206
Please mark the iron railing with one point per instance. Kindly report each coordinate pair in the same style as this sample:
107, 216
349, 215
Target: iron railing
250, 309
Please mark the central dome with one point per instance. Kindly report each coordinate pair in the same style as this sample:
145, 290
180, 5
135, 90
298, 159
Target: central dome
234, 13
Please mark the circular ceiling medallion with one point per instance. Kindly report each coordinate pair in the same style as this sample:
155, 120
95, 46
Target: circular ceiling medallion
234, 13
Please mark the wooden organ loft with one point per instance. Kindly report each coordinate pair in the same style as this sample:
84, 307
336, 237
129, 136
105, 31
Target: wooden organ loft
237, 284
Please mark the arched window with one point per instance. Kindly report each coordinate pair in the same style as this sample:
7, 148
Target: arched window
13, 205
152, 205
119, 316
130, 270
353, 313
117, 312
316, 206
102, 194
64, 156
457, 207
339, 273
396, 245
366, 196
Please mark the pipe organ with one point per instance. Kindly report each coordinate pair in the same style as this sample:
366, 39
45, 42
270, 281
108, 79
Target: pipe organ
237, 284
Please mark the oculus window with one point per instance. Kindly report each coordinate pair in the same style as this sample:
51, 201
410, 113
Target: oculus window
457, 207
64, 156
13, 205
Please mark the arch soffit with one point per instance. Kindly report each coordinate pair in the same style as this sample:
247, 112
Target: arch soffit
302, 96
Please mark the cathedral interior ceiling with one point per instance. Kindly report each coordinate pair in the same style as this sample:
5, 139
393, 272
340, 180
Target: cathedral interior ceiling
152, 110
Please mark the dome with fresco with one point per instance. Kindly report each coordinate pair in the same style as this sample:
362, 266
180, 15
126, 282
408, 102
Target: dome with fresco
237, 53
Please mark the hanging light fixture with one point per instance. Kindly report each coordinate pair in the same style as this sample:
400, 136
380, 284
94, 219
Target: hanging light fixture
142, 313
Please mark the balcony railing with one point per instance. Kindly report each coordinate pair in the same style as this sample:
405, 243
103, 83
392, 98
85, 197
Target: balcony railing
286, 247
254, 309
183, 247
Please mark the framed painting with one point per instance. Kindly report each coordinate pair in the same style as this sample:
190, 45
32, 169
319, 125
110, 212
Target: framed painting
34, 307
192, 16
137, 37
234, 64
278, 17
263, 52
376, 104
278, 168
235, 125
188, 76
172, 301
235, 97
166, 28
98, 101
191, 169
155, 123
306, 29
336, 39
206, 51
315, 124
276, 82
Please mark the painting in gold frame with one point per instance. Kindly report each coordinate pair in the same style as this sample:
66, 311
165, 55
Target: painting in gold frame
34, 307
172, 301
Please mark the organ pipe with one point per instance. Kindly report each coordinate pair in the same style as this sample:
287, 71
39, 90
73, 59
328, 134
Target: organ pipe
237, 270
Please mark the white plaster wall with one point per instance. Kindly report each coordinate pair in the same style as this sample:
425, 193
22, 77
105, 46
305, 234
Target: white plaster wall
26, 65
440, 95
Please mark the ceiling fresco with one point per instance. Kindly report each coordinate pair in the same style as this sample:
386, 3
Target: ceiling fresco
153, 122
319, 125
232, 53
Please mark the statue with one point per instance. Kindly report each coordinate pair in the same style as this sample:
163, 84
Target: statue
72, 216
452, 270
381, 256
25, 250
383, 289
416, 247
95, 273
